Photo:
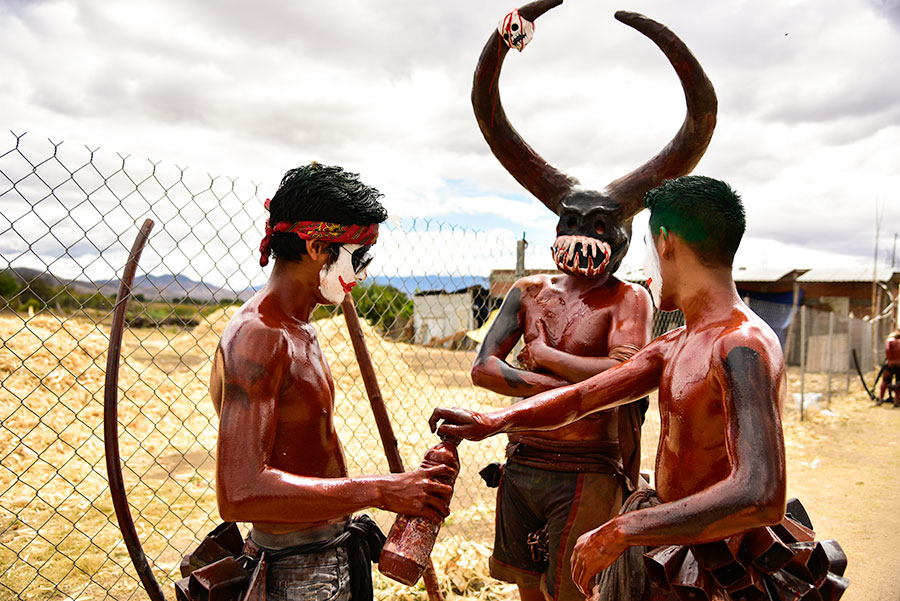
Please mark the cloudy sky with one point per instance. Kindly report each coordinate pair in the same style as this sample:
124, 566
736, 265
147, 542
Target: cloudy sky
808, 126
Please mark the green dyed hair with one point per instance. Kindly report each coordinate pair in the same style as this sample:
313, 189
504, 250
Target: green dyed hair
704, 212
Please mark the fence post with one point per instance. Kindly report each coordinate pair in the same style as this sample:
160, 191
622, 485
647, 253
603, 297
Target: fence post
520, 256
849, 346
874, 342
830, 353
792, 328
802, 358
866, 343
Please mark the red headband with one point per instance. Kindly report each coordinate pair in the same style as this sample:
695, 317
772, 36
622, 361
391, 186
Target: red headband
319, 230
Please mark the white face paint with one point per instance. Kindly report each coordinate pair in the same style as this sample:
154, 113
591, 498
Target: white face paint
337, 279
651, 270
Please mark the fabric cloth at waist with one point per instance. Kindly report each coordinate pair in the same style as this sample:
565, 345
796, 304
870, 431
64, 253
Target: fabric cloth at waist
626, 578
595, 456
361, 536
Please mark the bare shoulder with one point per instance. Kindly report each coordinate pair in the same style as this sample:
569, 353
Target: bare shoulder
748, 330
634, 294
532, 283
666, 341
252, 334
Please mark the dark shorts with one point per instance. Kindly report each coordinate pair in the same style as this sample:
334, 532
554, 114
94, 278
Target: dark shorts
568, 503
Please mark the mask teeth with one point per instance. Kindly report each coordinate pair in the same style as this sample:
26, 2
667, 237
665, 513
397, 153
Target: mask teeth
564, 254
590, 245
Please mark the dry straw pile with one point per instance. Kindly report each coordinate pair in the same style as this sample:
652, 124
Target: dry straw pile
58, 526
58, 532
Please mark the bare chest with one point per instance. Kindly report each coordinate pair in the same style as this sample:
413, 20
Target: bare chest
306, 397
578, 324
692, 452
306, 441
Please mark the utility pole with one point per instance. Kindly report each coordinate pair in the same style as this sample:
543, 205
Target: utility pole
874, 313
894, 251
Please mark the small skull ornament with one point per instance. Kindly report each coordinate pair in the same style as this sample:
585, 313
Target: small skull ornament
515, 30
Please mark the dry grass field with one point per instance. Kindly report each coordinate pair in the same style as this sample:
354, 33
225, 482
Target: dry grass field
58, 534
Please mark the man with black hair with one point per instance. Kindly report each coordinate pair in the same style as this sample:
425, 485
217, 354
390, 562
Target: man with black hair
559, 484
720, 467
279, 462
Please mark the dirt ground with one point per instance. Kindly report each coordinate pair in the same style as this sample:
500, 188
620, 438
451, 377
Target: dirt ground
845, 468
843, 463
842, 458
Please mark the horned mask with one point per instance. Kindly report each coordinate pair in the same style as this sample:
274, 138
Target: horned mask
594, 227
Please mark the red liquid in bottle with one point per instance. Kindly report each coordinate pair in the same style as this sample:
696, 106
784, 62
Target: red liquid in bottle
408, 546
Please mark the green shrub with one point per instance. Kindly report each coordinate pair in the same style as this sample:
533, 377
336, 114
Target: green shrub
385, 307
9, 284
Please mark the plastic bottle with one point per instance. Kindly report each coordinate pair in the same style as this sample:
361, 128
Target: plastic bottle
408, 546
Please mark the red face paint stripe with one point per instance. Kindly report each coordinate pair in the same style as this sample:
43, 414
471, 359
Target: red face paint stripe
347, 287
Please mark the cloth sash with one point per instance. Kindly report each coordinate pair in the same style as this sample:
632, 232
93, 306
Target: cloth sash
595, 456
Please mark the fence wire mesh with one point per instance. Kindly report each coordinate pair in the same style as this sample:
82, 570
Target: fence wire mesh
69, 216
67, 219
823, 345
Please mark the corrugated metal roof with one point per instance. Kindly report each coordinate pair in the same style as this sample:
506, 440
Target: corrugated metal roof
845, 274
760, 274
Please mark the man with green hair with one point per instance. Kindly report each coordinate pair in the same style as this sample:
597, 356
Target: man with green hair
720, 468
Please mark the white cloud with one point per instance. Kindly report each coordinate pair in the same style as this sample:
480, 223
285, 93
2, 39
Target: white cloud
808, 100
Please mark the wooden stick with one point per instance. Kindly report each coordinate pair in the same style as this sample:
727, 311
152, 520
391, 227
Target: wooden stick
382, 419
111, 422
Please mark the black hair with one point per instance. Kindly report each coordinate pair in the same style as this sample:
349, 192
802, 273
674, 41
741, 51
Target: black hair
704, 212
317, 192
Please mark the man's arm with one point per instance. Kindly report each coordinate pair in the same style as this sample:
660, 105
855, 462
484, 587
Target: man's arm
630, 331
491, 370
752, 495
622, 384
248, 487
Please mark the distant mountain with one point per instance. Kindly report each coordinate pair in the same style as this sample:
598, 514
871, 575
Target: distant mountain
151, 287
170, 287
410, 284
26, 276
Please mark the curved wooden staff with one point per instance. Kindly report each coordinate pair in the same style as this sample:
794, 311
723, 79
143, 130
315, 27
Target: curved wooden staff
382, 419
111, 421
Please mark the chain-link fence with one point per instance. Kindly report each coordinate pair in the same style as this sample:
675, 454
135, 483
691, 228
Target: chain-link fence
829, 347
69, 216
67, 219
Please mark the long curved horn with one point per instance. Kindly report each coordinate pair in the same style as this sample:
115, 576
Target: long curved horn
684, 151
522, 162
111, 421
